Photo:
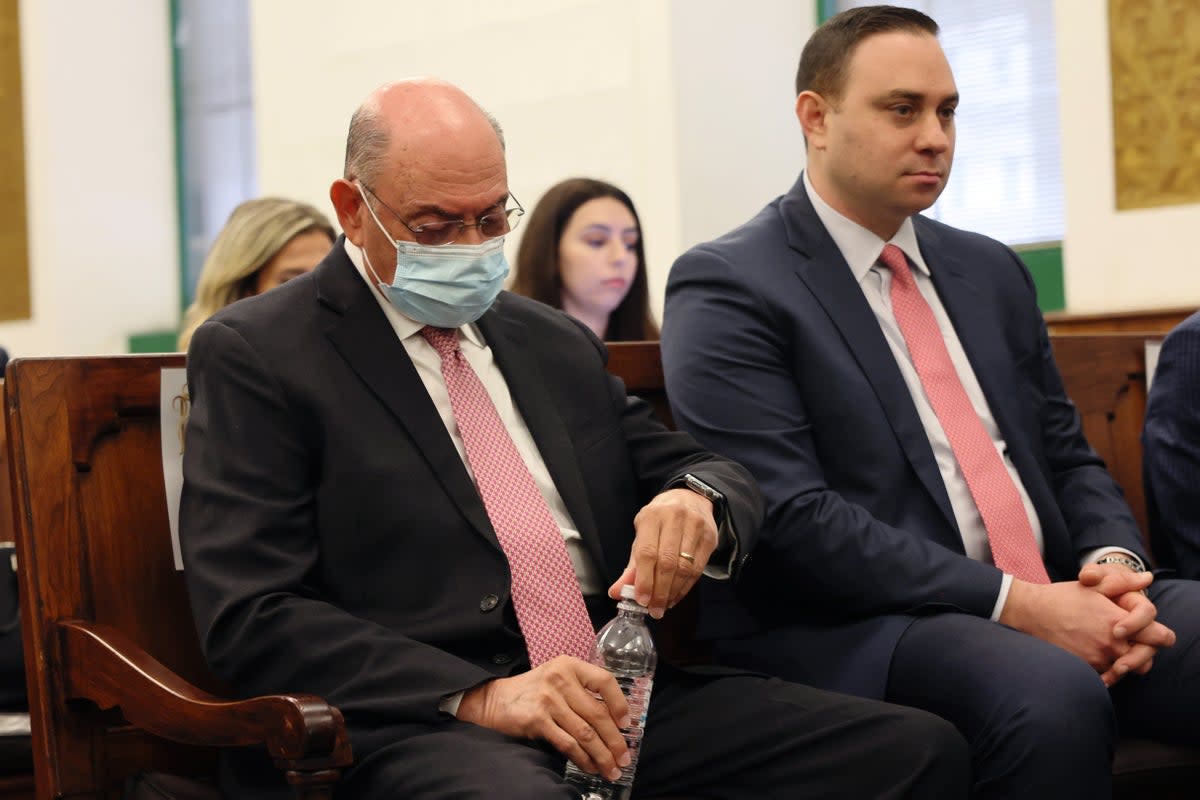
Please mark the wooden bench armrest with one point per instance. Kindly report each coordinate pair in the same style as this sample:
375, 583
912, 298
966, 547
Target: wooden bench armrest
104, 666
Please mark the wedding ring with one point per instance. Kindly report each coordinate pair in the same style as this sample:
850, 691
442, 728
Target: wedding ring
687, 557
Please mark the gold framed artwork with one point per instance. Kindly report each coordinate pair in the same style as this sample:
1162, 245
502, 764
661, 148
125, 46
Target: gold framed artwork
1154, 48
14, 245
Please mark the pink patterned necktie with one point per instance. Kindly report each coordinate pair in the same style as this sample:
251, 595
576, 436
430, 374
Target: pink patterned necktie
1014, 548
546, 593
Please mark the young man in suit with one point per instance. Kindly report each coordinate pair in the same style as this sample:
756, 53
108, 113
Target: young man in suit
1171, 442
937, 528
410, 492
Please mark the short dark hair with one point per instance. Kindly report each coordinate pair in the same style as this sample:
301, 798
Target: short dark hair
829, 50
538, 269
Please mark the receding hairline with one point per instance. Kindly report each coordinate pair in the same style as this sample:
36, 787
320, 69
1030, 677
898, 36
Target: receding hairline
368, 139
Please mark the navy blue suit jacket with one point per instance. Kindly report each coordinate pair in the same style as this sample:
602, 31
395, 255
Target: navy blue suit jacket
774, 358
1171, 442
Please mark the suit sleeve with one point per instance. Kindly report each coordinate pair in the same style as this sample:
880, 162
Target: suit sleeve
1171, 441
730, 382
1092, 505
252, 560
661, 457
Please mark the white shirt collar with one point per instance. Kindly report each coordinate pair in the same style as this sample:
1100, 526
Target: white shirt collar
403, 325
859, 246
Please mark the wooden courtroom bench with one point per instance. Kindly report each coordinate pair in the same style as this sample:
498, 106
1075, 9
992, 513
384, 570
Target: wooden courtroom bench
16, 760
1157, 321
117, 684
1105, 376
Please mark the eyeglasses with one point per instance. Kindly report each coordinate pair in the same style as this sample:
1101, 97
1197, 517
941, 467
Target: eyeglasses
490, 225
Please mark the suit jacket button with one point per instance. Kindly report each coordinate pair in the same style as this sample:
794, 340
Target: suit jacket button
501, 658
488, 602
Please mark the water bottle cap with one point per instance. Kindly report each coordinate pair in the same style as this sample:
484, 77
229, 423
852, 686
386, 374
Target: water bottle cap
628, 592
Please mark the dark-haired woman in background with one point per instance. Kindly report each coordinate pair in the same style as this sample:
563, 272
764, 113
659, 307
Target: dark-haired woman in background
582, 252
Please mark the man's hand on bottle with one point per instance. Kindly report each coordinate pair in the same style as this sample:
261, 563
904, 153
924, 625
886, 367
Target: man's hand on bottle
575, 706
675, 535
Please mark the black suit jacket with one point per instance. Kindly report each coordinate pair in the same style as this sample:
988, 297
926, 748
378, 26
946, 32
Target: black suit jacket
774, 357
332, 538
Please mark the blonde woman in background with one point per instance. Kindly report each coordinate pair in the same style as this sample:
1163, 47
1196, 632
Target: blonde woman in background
266, 242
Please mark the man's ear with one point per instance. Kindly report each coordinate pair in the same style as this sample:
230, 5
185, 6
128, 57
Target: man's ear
812, 110
347, 202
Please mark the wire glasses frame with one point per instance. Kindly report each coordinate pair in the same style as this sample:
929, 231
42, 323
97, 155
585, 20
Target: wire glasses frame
496, 223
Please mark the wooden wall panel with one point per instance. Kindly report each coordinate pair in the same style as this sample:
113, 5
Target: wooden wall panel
1155, 66
14, 247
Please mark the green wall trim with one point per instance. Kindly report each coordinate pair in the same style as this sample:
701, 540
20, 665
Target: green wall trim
154, 342
1046, 264
164, 341
825, 9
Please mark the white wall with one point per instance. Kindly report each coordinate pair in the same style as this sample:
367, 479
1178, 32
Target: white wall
683, 103
739, 142
99, 176
1113, 259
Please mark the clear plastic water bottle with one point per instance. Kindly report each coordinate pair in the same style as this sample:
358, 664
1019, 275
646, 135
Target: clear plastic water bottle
625, 649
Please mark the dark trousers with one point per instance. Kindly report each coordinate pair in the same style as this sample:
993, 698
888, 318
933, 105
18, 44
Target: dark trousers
1039, 721
710, 735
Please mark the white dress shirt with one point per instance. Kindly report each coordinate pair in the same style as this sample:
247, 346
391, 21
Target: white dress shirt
861, 248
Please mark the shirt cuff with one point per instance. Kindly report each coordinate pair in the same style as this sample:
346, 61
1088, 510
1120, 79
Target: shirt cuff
1091, 556
720, 563
1002, 597
451, 703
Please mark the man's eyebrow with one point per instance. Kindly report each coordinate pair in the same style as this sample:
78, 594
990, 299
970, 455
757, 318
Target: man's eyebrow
915, 97
437, 211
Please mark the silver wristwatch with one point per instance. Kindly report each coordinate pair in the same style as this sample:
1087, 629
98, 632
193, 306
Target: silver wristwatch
1123, 560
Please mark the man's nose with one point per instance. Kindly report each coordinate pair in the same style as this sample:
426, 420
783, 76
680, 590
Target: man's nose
470, 234
934, 134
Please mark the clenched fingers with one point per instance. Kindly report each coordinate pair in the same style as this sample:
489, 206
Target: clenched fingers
587, 725
1139, 658
1113, 580
575, 706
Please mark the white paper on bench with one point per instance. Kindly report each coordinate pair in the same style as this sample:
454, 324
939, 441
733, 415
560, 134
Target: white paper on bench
1152, 348
173, 411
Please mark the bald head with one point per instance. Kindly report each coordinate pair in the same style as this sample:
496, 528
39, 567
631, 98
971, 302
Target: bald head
409, 118
420, 151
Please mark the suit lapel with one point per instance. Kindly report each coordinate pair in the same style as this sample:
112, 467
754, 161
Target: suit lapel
824, 270
362, 335
972, 317
512, 344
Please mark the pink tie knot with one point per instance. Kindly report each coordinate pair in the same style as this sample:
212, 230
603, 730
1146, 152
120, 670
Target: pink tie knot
444, 340
893, 258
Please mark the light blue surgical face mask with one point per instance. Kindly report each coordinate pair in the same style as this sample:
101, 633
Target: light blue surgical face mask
445, 285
